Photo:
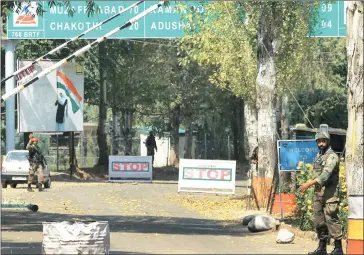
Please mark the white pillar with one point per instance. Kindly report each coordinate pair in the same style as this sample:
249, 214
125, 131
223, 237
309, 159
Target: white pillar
10, 84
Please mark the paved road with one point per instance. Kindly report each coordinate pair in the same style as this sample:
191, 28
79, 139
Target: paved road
142, 220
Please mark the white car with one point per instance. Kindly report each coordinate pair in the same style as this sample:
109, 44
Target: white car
15, 170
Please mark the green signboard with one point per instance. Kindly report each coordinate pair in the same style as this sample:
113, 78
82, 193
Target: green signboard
165, 22
331, 20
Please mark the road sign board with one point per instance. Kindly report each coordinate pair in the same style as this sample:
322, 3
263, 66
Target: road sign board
163, 23
55, 23
332, 20
291, 152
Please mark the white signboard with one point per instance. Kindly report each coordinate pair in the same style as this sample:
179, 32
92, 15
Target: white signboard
54, 103
130, 169
207, 176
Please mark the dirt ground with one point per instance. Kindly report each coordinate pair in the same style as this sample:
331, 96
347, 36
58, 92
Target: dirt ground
139, 215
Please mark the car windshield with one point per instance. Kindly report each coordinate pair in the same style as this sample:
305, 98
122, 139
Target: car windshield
17, 156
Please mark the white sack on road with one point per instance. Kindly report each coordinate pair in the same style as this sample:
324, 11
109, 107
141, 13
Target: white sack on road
76, 237
261, 223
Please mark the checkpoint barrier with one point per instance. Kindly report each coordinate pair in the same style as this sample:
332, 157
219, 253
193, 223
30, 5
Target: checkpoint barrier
207, 176
130, 169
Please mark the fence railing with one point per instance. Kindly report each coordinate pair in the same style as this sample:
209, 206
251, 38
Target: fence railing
63, 163
87, 150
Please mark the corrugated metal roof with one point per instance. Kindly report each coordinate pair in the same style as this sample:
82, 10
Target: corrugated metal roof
303, 127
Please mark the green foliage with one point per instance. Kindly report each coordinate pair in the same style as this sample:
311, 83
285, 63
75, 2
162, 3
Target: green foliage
322, 106
225, 47
325, 63
305, 200
224, 39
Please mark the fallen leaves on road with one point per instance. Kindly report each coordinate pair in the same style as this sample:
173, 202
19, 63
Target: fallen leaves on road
218, 208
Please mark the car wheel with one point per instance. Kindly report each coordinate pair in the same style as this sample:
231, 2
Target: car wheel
13, 185
4, 185
47, 184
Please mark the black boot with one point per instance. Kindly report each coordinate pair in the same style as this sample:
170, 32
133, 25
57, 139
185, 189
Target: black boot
30, 187
39, 185
321, 249
338, 250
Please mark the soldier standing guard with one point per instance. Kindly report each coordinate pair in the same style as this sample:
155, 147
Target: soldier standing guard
36, 163
326, 201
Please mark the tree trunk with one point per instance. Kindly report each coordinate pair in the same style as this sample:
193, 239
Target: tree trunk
215, 141
285, 118
279, 116
251, 126
175, 122
266, 104
127, 132
354, 137
235, 131
188, 140
115, 132
241, 128
101, 134
291, 176
115, 115
84, 150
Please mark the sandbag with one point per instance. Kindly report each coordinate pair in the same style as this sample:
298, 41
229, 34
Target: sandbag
285, 236
247, 219
261, 223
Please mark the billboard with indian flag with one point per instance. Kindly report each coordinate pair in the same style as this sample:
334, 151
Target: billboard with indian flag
55, 102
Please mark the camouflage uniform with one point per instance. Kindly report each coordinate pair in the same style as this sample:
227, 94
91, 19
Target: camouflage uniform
36, 164
326, 200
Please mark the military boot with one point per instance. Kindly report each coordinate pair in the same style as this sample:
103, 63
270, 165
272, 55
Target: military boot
321, 249
338, 250
30, 187
39, 186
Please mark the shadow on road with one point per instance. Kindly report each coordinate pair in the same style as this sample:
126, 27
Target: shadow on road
36, 248
21, 247
26, 221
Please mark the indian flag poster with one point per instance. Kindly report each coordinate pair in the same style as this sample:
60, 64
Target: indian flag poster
55, 102
69, 89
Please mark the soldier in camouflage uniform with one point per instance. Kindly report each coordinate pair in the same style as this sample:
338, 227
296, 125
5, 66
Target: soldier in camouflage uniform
36, 163
326, 201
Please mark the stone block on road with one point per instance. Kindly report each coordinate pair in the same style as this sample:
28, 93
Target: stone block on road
285, 236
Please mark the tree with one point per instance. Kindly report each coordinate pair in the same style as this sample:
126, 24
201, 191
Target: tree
101, 133
321, 106
255, 47
354, 141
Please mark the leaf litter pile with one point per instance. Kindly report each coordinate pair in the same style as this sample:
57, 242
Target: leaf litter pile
213, 207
